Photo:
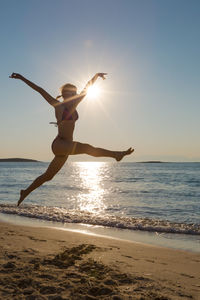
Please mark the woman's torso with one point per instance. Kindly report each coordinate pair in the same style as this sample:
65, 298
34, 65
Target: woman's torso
66, 117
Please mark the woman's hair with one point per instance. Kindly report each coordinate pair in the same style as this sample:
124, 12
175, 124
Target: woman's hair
68, 86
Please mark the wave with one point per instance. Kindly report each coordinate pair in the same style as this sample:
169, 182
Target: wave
57, 214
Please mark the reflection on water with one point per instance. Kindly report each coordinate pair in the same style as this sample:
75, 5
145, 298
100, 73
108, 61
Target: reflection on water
91, 174
168, 191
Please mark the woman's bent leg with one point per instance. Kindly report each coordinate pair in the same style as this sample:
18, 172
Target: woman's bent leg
52, 170
81, 148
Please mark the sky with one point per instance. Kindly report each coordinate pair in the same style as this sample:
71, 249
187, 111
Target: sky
150, 99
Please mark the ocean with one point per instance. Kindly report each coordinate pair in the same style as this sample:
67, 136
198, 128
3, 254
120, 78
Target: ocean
135, 201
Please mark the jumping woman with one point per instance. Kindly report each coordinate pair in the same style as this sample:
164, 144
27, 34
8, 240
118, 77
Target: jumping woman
63, 145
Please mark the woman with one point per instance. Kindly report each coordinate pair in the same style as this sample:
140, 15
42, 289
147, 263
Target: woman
63, 145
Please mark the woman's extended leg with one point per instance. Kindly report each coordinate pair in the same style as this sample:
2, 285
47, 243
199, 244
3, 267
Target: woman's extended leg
80, 148
52, 170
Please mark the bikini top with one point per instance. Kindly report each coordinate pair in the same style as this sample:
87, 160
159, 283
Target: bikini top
67, 116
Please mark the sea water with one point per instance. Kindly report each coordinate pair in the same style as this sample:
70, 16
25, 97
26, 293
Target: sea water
133, 199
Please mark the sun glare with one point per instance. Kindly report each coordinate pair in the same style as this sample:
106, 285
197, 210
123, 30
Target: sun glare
93, 92
91, 198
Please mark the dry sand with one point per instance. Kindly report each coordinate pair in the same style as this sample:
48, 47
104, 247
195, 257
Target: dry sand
43, 263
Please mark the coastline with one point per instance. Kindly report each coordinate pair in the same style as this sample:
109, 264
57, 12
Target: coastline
43, 262
183, 242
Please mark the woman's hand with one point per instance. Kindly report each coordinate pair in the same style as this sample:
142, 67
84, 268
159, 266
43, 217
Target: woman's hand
102, 75
16, 76
91, 82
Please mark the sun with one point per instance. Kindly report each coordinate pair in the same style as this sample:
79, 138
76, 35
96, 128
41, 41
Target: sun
93, 92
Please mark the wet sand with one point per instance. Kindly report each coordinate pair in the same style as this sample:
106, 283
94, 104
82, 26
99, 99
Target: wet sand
43, 263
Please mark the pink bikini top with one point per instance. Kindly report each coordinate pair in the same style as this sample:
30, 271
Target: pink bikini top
69, 116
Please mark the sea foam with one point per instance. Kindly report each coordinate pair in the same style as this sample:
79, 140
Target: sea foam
62, 215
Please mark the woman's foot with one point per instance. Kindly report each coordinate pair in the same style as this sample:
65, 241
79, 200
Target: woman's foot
120, 154
22, 197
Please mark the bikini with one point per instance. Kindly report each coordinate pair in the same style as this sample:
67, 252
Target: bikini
67, 116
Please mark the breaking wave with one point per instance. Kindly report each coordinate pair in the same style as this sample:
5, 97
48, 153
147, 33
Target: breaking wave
57, 214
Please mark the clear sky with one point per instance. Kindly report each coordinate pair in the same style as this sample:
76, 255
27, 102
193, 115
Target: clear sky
150, 50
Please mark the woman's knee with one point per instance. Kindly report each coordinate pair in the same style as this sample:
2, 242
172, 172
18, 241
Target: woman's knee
88, 148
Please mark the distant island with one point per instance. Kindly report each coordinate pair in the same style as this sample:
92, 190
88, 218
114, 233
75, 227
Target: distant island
17, 160
151, 162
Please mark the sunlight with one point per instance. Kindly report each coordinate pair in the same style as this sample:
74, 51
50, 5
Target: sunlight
91, 199
93, 92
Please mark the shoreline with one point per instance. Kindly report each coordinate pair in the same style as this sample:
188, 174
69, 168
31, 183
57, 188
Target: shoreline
43, 262
183, 242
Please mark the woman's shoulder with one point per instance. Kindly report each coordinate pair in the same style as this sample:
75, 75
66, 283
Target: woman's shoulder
59, 106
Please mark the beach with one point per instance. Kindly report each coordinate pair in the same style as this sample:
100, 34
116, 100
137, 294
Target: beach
49, 263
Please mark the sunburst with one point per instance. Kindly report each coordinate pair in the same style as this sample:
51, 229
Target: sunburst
93, 92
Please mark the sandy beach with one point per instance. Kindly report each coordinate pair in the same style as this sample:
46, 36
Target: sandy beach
44, 263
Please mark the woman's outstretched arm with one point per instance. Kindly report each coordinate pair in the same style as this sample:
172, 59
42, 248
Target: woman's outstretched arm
52, 101
92, 81
80, 96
